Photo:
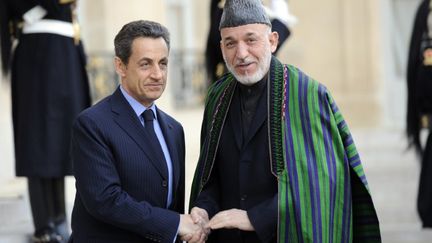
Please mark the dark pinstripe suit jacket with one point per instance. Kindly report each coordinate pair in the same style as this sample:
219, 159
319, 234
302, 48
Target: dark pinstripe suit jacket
121, 187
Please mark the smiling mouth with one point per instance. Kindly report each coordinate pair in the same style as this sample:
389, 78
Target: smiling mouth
243, 66
154, 84
154, 87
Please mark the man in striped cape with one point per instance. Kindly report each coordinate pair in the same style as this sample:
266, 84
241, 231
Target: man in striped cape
277, 161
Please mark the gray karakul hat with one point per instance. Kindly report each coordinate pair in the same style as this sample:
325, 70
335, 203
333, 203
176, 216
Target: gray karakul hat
243, 12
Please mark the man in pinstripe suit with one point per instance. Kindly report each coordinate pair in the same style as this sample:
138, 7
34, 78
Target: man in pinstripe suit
129, 155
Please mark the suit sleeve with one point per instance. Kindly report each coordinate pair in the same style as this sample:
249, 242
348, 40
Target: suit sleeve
99, 187
264, 217
180, 192
209, 196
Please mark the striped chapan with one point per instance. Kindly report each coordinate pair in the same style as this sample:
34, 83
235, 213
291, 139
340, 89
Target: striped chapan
323, 192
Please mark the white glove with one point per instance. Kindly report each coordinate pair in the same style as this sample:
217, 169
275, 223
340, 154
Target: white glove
34, 14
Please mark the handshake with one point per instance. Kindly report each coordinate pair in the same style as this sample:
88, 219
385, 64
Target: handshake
196, 226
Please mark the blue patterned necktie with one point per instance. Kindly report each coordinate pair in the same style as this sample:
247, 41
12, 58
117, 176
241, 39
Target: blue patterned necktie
148, 121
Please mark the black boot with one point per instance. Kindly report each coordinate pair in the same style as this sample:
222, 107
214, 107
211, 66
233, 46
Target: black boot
48, 210
424, 199
59, 208
47, 235
62, 229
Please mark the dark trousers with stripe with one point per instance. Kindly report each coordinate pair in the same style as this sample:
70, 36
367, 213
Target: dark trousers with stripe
424, 200
47, 201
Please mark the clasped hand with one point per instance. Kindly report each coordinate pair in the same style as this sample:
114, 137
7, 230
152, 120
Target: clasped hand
198, 225
193, 227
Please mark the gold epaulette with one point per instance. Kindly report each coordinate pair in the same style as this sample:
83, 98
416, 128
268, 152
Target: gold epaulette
15, 28
425, 121
66, 1
221, 4
220, 69
75, 24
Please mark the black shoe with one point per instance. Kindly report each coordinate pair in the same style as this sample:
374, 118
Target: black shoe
47, 236
62, 229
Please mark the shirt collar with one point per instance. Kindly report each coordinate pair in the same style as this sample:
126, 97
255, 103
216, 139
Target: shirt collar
253, 90
136, 106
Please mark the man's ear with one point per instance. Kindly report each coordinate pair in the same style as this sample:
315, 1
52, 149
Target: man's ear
120, 67
274, 40
221, 46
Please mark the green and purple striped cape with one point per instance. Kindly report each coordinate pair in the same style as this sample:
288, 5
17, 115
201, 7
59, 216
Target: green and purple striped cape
323, 193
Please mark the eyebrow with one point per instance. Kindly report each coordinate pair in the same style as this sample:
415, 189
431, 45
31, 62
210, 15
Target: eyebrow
249, 34
147, 59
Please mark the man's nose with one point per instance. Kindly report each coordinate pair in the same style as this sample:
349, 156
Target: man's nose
157, 73
242, 51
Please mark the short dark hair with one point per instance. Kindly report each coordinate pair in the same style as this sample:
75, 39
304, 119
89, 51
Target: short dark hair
140, 28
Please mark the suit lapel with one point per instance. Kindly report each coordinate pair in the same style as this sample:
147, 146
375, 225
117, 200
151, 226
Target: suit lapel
235, 117
167, 130
126, 118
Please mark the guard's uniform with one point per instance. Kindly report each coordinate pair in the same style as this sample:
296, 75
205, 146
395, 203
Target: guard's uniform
419, 80
49, 89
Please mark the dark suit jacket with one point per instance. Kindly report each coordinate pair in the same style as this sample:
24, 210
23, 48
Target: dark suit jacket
241, 178
121, 188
